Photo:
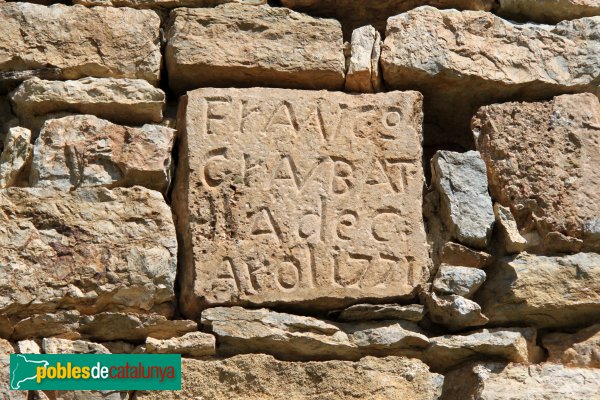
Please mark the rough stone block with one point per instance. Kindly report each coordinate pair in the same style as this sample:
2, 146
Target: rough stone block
126, 101
258, 376
89, 250
238, 45
543, 291
79, 41
86, 151
543, 161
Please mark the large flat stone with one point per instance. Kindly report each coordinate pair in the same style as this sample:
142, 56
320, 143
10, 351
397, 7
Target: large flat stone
510, 344
109, 42
86, 151
357, 13
299, 198
89, 250
543, 161
294, 337
462, 60
498, 381
126, 101
239, 45
543, 291
258, 376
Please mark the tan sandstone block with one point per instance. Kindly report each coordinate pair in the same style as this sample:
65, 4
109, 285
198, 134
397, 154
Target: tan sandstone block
90, 250
258, 376
543, 161
238, 45
126, 101
543, 291
85, 151
356, 13
79, 42
300, 198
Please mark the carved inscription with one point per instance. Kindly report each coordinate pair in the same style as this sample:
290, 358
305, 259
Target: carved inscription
294, 196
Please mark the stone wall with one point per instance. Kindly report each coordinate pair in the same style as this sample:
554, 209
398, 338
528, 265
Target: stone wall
307, 199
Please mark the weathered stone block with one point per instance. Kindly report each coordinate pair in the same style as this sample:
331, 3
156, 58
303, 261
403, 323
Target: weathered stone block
89, 250
299, 198
85, 151
465, 204
548, 11
454, 312
363, 74
238, 45
499, 381
461, 281
543, 291
462, 60
259, 376
356, 13
126, 101
543, 161
510, 344
79, 41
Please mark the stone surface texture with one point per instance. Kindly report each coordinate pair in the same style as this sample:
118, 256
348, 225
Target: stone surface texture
260, 376
311, 199
90, 250
543, 162
514, 344
109, 42
514, 242
238, 45
127, 101
15, 156
363, 75
466, 206
86, 151
543, 291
